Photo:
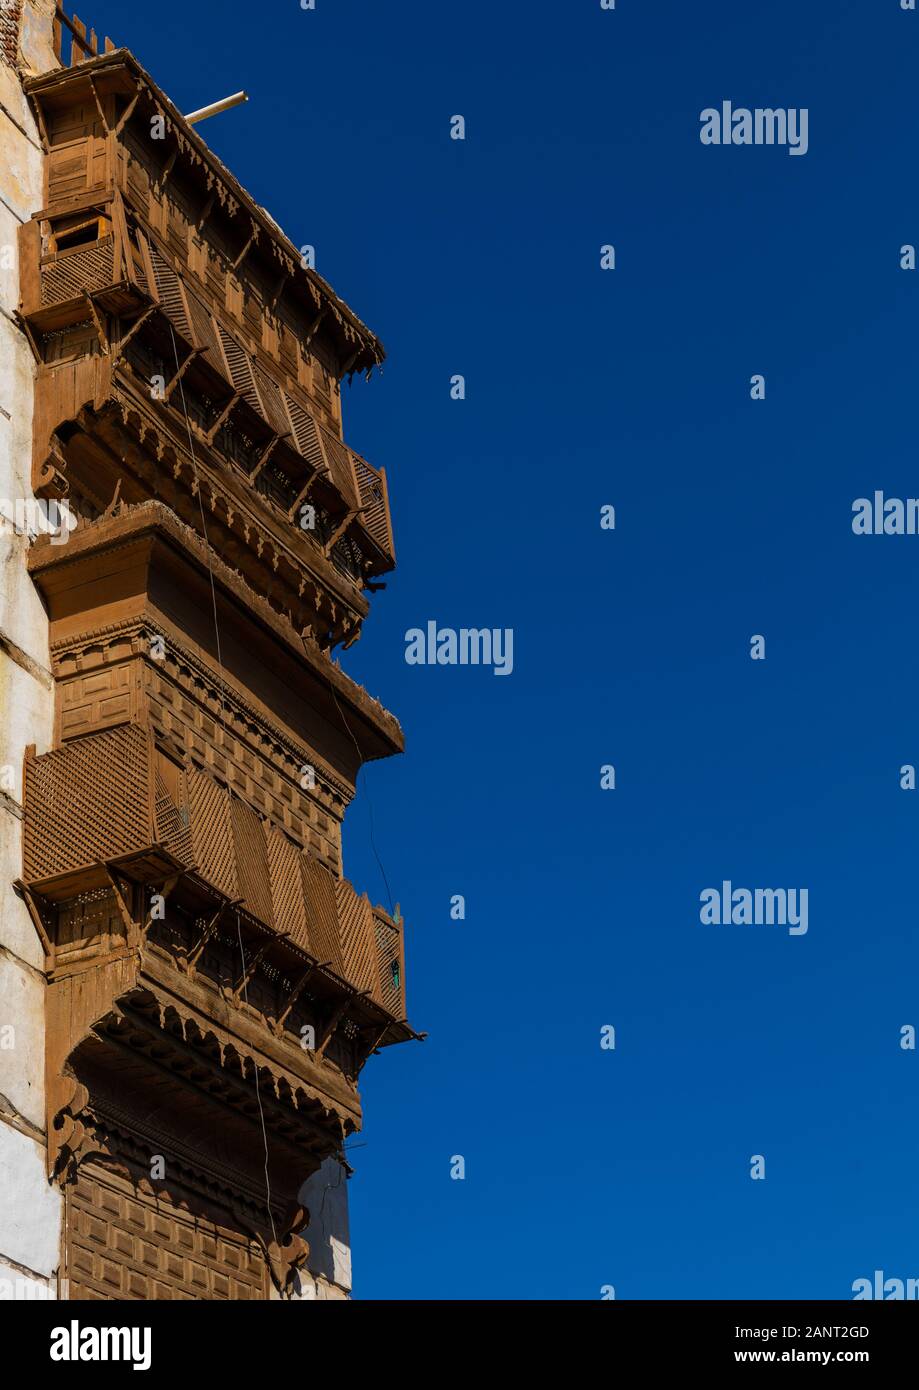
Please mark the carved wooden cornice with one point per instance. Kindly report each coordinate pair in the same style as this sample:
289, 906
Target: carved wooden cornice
224, 699
148, 518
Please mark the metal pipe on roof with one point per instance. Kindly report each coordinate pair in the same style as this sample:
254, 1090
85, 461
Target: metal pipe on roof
216, 107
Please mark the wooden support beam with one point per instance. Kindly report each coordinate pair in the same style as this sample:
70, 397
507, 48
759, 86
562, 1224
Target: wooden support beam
148, 266
278, 289
42, 128
297, 991
29, 335
163, 175
31, 901
252, 965
222, 417
164, 892
253, 237
120, 227
100, 326
341, 529
335, 1018
131, 926
135, 326
378, 1035
78, 29
187, 963
347, 365
266, 454
99, 107
314, 326
128, 111
194, 352
301, 496
331, 1024
205, 212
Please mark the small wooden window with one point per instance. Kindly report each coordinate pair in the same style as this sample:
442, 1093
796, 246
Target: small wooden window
82, 233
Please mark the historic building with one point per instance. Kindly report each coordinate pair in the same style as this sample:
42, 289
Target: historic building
189, 987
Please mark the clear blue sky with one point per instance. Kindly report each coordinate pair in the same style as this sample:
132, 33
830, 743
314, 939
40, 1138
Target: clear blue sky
630, 387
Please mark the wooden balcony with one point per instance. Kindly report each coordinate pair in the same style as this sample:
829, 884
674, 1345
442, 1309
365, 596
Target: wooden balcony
113, 807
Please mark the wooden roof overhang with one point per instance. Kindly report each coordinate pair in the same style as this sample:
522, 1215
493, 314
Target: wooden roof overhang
119, 72
157, 537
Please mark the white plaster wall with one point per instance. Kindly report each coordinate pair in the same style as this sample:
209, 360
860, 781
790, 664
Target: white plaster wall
22, 1044
18, 937
30, 1209
26, 704
325, 1196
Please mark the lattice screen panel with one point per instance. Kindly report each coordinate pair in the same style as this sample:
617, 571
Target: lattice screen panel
172, 299
75, 272
373, 500
339, 461
358, 943
389, 954
88, 802
252, 861
287, 887
322, 912
212, 833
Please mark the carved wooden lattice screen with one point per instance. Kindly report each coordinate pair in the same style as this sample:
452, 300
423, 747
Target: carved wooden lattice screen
78, 272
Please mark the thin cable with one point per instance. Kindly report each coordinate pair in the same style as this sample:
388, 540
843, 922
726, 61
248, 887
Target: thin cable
210, 570
258, 1097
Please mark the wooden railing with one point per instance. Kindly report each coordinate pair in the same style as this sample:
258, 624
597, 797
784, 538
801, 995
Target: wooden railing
82, 45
